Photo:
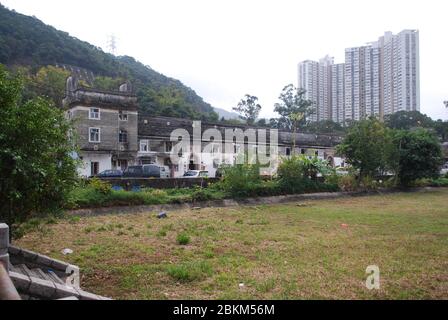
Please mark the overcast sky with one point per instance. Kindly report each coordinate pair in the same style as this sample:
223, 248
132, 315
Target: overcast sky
225, 49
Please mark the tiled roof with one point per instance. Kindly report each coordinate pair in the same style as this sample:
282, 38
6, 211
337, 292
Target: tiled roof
151, 126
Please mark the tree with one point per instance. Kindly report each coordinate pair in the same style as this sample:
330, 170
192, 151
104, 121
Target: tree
365, 147
325, 127
37, 168
248, 109
405, 120
293, 109
441, 129
418, 154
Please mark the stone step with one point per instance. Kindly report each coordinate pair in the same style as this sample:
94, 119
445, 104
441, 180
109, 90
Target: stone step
23, 269
54, 277
37, 273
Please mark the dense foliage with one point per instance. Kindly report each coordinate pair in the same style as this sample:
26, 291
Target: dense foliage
417, 155
36, 167
373, 149
364, 147
300, 174
26, 41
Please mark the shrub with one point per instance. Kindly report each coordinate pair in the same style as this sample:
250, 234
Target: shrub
369, 183
240, 180
183, 239
299, 174
190, 271
348, 183
441, 182
100, 186
201, 194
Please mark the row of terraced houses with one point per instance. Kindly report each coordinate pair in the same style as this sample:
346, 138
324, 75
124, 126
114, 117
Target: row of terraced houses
112, 134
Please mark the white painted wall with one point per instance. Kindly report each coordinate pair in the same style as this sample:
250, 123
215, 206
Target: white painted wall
105, 162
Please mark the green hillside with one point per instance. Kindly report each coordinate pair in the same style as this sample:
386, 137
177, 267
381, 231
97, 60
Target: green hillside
28, 42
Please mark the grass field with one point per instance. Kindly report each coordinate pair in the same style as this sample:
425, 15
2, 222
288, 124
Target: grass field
313, 250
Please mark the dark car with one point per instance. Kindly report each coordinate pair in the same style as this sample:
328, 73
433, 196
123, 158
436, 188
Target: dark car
146, 171
110, 174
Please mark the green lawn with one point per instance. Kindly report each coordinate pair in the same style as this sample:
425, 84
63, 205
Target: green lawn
293, 251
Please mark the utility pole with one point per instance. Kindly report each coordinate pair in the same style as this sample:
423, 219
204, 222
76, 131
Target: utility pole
112, 44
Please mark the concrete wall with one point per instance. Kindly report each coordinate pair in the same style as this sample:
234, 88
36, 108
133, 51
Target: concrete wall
129, 184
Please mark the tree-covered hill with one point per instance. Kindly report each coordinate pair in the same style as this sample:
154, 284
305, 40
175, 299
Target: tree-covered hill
28, 42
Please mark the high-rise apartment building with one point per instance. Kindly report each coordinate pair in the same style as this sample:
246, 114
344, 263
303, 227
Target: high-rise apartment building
309, 81
401, 58
338, 93
315, 78
377, 79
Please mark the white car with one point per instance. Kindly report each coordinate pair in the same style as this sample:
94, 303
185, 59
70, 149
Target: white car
444, 169
196, 174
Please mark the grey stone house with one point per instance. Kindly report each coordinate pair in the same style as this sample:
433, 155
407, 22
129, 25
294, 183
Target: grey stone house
105, 124
111, 134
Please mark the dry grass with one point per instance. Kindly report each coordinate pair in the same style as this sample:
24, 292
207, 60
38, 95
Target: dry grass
279, 252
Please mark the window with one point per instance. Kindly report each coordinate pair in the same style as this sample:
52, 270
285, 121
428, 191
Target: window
144, 145
123, 116
288, 152
123, 136
94, 135
94, 168
303, 151
94, 114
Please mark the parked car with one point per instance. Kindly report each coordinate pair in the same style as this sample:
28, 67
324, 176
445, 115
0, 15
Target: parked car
196, 174
444, 169
110, 174
145, 171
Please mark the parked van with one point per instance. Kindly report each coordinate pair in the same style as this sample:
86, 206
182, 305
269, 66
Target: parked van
146, 171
